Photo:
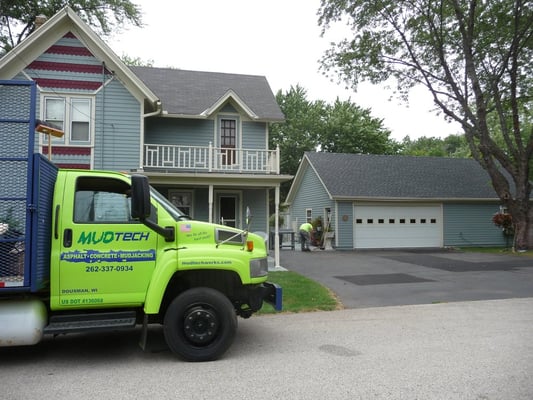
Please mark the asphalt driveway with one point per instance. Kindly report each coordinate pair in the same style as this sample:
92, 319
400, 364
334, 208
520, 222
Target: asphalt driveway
390, 277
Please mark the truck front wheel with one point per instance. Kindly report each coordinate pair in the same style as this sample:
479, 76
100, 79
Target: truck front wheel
200, 324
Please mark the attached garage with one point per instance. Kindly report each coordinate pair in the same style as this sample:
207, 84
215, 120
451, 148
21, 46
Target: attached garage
397, 225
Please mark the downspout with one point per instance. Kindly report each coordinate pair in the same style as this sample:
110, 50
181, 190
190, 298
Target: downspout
210, 200
143, 120
276, 228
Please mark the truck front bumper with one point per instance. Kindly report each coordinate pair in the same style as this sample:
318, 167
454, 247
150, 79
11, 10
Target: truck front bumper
273, 295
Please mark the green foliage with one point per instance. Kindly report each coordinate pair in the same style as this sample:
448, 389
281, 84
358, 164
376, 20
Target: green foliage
349, 128
299, 132
136, 61
450, 146
17, 18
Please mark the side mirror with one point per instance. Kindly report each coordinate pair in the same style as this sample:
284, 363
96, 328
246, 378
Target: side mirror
140, 197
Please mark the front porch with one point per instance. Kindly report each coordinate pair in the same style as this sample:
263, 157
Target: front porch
175, 158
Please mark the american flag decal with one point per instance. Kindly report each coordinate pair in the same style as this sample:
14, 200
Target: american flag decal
185, 227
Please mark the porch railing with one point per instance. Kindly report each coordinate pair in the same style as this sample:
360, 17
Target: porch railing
211, 159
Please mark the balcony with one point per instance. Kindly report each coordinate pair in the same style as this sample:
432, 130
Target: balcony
211, 159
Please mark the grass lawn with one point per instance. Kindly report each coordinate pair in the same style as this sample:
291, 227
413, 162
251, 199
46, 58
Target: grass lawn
301, 294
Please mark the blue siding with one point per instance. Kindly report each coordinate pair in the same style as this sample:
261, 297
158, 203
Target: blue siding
201, 204
344, 232
118, 126
257, 201
471, 225
181, 132
228, 108
314, 196
254, 135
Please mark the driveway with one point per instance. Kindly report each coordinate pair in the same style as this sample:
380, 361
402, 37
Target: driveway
386, 278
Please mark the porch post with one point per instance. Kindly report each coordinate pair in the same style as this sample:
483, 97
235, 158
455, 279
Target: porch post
277, 160
276, 227
210, 203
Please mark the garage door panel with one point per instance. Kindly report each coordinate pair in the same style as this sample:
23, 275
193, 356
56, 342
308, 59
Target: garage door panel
397, 226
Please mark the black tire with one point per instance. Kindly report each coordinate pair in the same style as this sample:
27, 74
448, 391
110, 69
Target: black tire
200, 324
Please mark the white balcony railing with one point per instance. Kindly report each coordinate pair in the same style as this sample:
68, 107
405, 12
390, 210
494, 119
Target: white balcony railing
211, 159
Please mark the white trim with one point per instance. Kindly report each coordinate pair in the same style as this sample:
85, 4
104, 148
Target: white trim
230, 94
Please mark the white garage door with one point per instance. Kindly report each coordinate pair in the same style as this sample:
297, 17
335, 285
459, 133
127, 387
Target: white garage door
390, 226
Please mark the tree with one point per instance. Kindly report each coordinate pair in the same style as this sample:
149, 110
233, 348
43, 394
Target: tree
349, 128
136, 61
17, 17
474, 56
450, 146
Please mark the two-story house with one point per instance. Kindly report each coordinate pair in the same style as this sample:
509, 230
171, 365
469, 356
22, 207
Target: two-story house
201, 137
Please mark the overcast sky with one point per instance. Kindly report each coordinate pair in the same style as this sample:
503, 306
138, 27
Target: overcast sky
279, 39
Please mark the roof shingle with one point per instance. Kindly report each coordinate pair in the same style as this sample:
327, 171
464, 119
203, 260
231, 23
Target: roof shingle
401, 177
185, 92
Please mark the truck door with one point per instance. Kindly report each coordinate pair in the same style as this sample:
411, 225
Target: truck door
106, 258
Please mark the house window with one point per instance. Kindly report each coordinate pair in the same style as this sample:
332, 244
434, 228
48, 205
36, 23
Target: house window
309, 214
54, 113
71, 115
80, 120
228, 140
182, 200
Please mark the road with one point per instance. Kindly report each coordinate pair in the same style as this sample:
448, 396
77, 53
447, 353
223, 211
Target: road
480, 350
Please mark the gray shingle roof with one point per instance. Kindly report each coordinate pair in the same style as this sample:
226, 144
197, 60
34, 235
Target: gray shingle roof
192, 92
402, 177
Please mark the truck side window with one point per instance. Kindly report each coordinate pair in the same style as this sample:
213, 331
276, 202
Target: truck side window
95, 206
101, 200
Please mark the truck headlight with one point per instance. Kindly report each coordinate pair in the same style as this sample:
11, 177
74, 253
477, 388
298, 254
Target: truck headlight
258, 267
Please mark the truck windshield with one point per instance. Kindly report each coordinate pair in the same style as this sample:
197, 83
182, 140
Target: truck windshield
168, 206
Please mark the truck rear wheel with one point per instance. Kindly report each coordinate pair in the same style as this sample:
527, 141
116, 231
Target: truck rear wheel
200, 324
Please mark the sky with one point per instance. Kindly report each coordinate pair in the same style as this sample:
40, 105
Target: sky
278, 39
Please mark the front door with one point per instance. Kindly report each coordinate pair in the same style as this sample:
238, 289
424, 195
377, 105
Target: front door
227, 208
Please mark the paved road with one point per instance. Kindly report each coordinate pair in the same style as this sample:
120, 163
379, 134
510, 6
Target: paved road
480, 350
385, 278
